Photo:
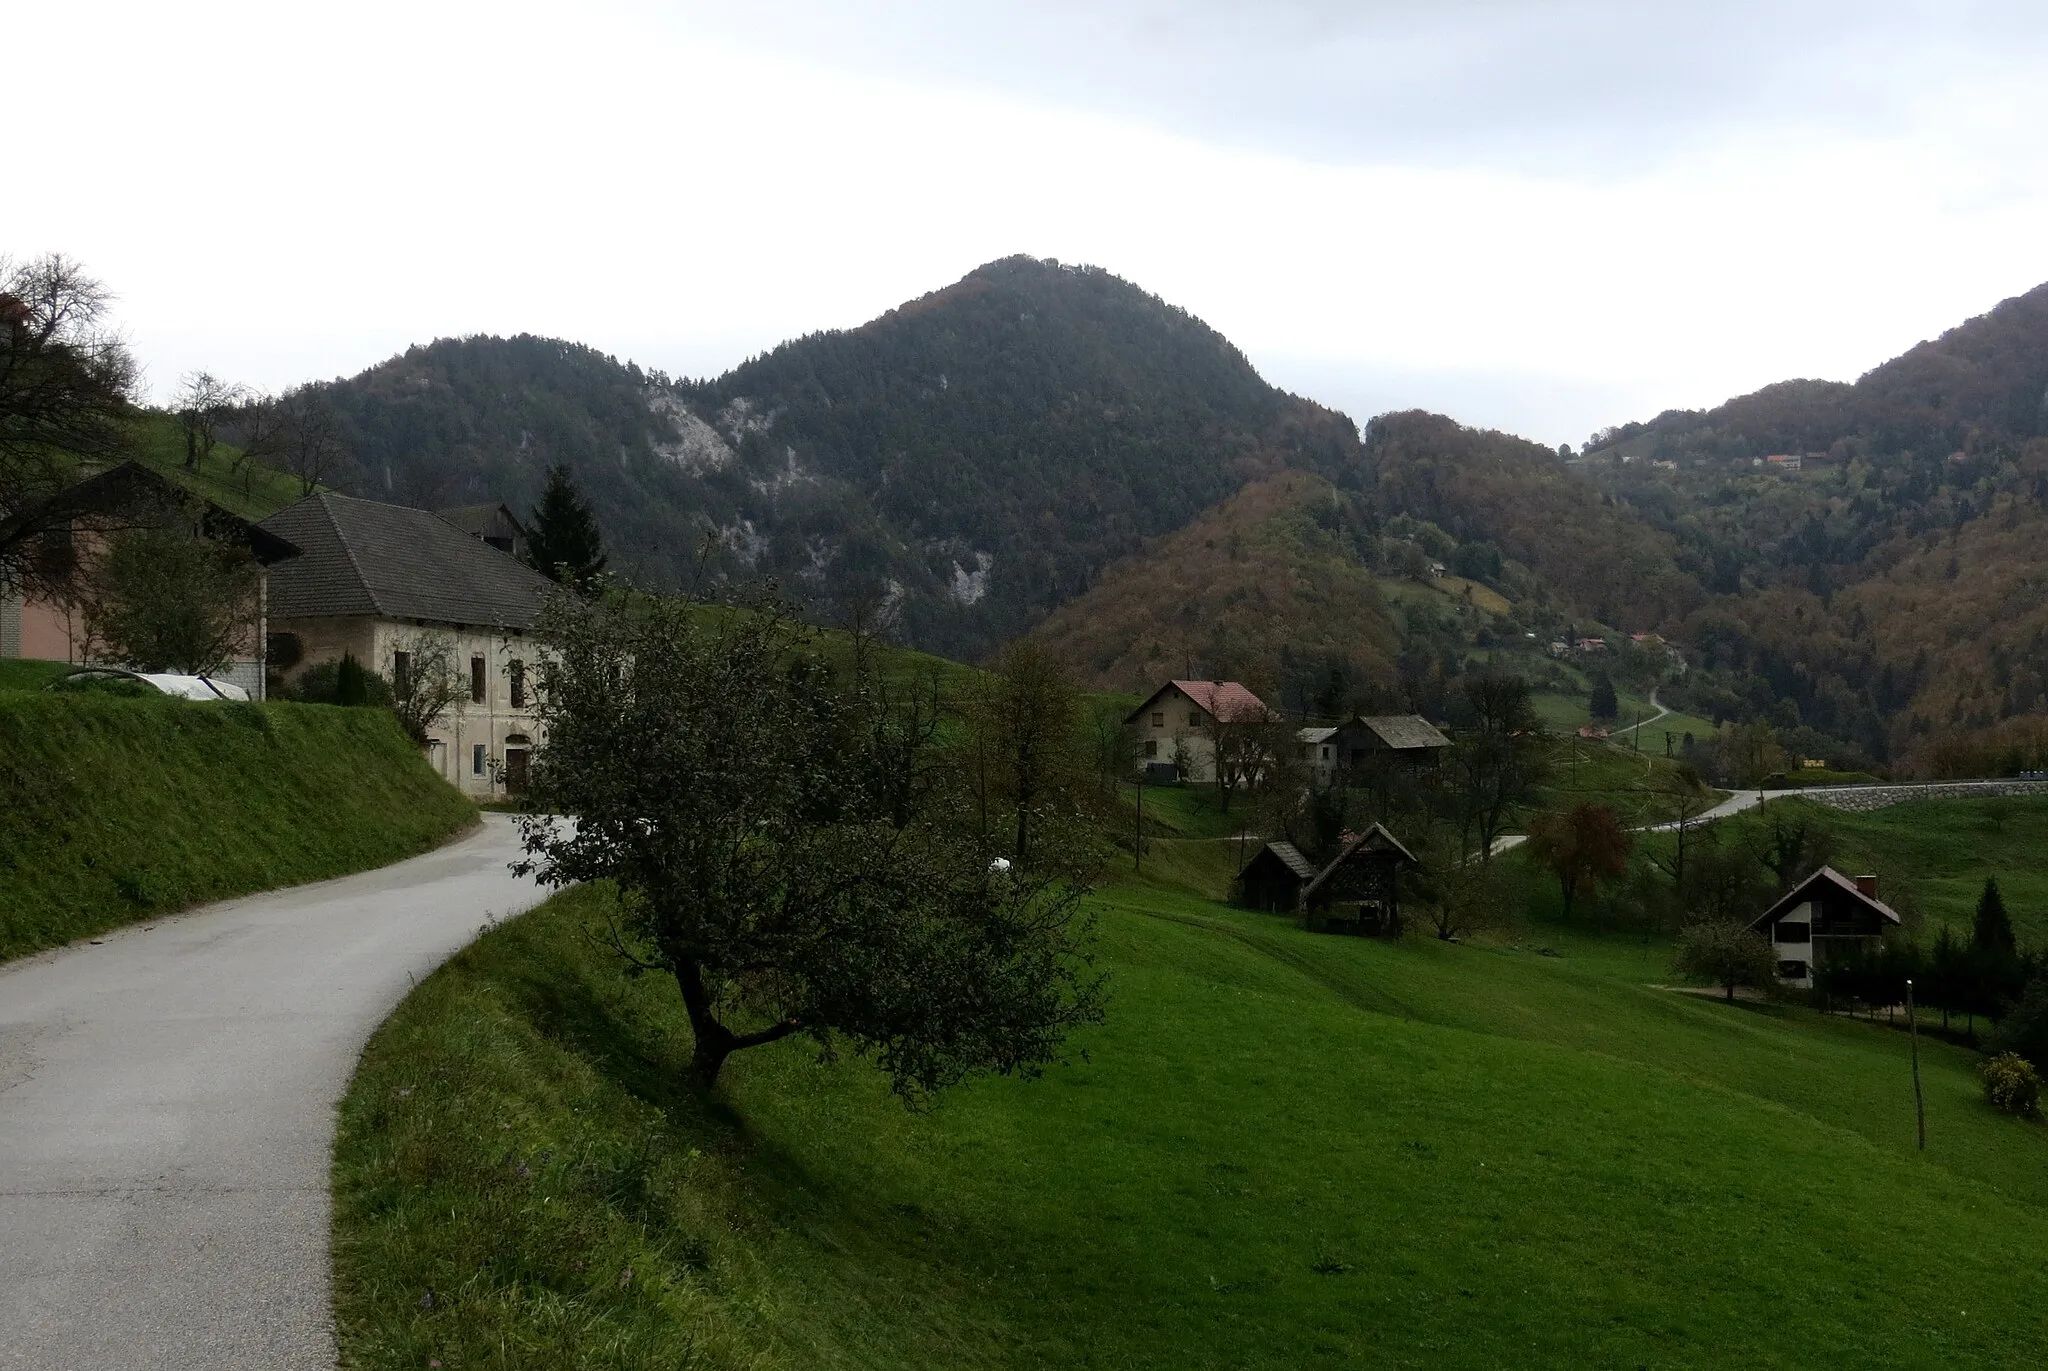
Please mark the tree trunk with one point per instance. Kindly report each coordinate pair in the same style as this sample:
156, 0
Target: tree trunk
714, 1042
1730, 989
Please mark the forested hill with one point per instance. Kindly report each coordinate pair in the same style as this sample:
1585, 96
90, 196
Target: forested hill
1981, 384
1881, 580
981, 452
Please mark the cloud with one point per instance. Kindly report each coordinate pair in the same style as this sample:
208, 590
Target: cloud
1589, 88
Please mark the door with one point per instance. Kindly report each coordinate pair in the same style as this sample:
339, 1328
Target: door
515, 770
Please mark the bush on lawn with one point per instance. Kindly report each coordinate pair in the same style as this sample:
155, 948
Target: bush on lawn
2012, 1085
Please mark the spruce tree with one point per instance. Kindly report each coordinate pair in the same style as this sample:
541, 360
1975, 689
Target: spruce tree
1991, 931
562, 540
1603, 705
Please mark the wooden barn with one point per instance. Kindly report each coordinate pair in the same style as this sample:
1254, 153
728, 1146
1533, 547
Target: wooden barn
1274, 879
1359, 892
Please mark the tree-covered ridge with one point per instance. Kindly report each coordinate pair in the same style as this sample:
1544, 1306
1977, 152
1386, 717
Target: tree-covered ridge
976, 456
1981, 383
1008, 436
1482, 486
1271, 586
1880, 588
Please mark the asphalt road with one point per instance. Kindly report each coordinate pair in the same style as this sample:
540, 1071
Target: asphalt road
167, 1112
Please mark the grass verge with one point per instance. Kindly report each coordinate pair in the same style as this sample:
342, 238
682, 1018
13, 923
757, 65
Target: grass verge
116, 809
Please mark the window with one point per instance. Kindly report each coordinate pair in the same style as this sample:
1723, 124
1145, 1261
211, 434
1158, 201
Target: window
1159, 718
1326, 752
476, 759
1792, 971
1789, 932
518, 684
476, 680
1152, 747
1194, 718
401, 673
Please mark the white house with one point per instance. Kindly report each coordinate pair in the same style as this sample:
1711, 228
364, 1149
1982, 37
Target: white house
386, 582
1177, 724
1827, 915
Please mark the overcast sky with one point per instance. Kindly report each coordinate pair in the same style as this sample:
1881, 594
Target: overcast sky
1533, 215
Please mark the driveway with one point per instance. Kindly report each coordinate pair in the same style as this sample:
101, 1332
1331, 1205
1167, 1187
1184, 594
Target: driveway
167, 1112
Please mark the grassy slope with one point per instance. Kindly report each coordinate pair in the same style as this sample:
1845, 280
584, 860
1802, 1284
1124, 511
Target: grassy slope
115, 809
1283, 1150
250, 489
1949, 847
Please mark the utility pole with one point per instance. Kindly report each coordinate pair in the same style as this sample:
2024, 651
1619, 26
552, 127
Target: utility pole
1919, 1100
1138, 843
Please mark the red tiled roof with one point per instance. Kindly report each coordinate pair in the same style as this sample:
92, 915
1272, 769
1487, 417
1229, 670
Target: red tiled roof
1227, 701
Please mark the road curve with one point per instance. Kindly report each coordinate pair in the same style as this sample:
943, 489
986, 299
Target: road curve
167, 1104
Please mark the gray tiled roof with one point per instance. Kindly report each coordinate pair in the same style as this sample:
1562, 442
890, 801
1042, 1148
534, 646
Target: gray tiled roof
1403, 731
1290, 857
362, 557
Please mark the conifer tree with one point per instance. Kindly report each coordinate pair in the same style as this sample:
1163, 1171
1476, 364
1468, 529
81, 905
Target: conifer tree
562, 540
1991, 931
1603, 705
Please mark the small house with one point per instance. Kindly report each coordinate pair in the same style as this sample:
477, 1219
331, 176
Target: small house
1274, 879
1824, 917
1407, 738
1359, 891
1318, 749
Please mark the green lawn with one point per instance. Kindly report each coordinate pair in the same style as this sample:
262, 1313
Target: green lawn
1281, 1150
113, 810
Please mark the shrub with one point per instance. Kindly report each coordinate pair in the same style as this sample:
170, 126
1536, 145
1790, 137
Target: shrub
343, 682
2012, 1085
1728, 954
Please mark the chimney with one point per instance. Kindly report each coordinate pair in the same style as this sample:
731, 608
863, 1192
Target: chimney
1867, 886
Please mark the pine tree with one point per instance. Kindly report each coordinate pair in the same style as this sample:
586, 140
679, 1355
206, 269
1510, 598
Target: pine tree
562, 540
1992, 929
1604, 705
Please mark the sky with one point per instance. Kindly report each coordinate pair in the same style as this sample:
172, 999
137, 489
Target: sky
1544, 216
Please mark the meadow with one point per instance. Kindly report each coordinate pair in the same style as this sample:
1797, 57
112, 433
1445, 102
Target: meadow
1280, 1150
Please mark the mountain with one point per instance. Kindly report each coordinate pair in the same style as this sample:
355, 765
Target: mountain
1885, 586
977, 455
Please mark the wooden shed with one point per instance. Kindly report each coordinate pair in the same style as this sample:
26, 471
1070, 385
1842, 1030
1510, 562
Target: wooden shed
1359, 892
1274, 879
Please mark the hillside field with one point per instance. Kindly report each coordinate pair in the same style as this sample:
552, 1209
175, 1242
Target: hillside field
115, 809
1281, 1150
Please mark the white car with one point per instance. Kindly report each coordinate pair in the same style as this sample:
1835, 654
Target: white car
170, 683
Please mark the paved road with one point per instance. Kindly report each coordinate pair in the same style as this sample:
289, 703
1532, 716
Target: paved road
167, 1113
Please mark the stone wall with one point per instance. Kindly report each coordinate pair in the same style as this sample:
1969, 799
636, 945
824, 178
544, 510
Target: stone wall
1865, 798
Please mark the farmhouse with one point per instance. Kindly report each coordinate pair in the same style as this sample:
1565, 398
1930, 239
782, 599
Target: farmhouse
1180, 724
401, 589
1359, 891
54, 627
1825, 916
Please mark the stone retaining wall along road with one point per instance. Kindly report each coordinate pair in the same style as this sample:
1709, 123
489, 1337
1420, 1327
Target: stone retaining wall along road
1860, 799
